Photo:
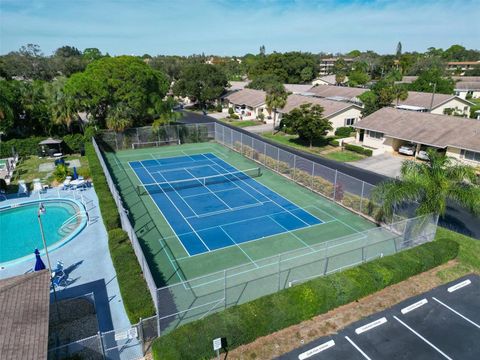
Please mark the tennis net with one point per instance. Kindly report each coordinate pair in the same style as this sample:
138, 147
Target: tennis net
145, 189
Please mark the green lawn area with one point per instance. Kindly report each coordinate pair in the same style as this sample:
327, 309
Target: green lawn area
242, 123
320, 147
28, 169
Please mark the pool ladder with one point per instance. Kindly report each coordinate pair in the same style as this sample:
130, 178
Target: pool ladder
68, 225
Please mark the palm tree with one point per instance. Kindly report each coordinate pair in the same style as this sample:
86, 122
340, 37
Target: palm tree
276, 99
431, 185
119, 118
400, 92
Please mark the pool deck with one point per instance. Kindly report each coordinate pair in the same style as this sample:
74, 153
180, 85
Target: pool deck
87, 261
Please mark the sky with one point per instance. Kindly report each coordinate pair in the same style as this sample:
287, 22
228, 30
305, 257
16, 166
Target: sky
237, 27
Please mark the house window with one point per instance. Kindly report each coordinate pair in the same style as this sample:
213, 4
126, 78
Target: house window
375, 134
349, 121
470, 155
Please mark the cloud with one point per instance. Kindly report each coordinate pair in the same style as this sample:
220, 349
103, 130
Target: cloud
237, 26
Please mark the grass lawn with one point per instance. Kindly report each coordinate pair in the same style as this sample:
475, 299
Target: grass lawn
242, 123
28, 169
344, 156
320, 147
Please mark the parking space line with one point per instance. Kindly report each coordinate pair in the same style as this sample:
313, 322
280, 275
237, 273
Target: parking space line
456, 312
421, 337
459, 285
356, 347
316, 350
414, 306
371, 325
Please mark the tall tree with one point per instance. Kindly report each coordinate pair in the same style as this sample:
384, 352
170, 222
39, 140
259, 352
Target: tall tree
119, 118
264, 82
400, 93
262, 50
308, 122
398, 53
201, 82
111, 81
275, 99
425, 81
431, 185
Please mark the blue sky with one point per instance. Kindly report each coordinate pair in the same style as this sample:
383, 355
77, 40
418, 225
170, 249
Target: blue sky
236, 27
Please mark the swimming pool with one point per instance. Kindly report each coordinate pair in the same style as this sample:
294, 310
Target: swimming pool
20, 230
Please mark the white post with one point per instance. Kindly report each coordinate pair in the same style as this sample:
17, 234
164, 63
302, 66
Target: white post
361, 196
313, 174
264, 153
335, 185
294, 166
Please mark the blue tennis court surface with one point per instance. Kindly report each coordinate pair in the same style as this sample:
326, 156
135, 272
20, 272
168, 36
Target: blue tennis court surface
210, 205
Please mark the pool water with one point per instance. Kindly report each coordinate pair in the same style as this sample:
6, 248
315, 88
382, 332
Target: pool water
20, 230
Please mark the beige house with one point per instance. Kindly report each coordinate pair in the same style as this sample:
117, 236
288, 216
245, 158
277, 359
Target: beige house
249, 104
297, 88
326, 65
328, 80
461, 66
435, 103
466, 90
387, 129
338, 113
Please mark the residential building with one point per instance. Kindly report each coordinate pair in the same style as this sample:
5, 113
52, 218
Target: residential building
461, 66
338, 113
250, 104
328, 80
387, 129
297, 88
326, 65
338, 93
435, 103
467, 90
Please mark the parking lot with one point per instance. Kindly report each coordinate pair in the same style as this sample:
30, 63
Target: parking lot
441, 324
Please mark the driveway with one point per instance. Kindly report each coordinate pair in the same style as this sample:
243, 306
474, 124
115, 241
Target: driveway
384, 164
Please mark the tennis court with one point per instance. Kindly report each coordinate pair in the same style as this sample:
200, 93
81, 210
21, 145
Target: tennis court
212, 205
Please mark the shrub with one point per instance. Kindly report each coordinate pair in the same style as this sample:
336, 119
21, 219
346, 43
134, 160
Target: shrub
231, 111
73, 143
344, 131
24, 147
358, 149
334, 143
135, 295
61, 172
219, 108
108, 207
234, 116
244, 323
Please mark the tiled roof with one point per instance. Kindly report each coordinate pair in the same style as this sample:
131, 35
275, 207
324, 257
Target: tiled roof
248, 97
425, 128
330, 107
24, 312
473, 85
345, 92
423, 99
297, 88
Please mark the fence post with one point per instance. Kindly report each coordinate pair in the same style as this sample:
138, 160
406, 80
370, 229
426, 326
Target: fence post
196, 130
241, 143
138, 137
158, 314
223, 135
278, 159
140, 332
225, 288
279, 262
99, 334
294, 166
313, 175
264, 153
335, 185
361, 196
231, 139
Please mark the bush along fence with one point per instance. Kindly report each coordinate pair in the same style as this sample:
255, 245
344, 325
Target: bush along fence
244, 323
346, 190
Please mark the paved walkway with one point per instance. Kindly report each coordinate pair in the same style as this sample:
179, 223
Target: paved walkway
87, 259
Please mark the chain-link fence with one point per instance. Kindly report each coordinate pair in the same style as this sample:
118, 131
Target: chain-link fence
196, 298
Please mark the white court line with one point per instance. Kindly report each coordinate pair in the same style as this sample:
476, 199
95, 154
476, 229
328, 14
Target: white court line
421, 337
340, 221
175, 268
459, 286
254, 263
203, 215
211, 192
179, 212
356, 347
316, 350
243, 181
456, 312
414, 306
370, 326
291, 233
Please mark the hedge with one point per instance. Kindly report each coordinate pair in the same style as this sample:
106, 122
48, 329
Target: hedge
29, 146
335, 143
244, 323
344, 131
358, 149
133, 287
108, 207
135, 294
